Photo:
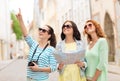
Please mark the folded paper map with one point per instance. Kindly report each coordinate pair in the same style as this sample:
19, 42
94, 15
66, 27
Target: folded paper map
70, 58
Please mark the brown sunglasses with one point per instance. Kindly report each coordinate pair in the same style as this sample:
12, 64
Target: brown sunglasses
90, 25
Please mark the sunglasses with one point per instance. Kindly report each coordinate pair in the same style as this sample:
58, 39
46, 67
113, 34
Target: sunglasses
67, 26
90, 25
42, 30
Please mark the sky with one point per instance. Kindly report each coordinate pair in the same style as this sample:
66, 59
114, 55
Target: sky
26, 7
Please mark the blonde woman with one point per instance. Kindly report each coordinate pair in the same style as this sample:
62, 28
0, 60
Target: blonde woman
96, 52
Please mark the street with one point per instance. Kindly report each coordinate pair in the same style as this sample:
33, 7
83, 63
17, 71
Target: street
16, 71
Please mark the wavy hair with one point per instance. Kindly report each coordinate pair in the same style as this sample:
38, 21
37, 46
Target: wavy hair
76, 33
98, 30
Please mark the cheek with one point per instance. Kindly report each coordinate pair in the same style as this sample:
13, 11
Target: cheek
93, 29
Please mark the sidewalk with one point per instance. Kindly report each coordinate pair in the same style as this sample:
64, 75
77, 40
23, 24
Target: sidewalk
112, 68
5, 63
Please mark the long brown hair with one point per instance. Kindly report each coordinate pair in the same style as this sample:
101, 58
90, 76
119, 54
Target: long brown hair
52, 39
100, 33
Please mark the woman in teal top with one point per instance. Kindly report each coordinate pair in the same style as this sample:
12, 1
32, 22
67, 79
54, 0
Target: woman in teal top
46, 62
96, 52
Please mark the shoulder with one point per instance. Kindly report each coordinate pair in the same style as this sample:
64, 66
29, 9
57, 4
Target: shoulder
80, 43
51, 49
102, 40
59, 44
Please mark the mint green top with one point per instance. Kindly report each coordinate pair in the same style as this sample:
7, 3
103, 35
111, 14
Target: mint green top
97, 58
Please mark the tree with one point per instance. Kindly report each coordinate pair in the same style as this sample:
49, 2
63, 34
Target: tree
16, 26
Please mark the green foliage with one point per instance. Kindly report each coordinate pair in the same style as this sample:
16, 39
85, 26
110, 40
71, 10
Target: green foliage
16, 26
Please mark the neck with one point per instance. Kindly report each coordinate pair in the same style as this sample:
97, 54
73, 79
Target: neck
42, 43
94, 37
69, 39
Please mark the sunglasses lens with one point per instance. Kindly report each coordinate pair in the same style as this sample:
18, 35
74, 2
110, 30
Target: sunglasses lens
90, 25
39, 29
42, 30
67, 26
85, 27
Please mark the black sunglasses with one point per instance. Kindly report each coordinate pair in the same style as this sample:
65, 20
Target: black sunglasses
67, 26
90, 25
43, 30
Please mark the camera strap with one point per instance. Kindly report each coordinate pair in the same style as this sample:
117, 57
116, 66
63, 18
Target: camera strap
40, 53
34, 51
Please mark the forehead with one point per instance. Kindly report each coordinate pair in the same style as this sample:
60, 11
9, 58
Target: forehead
45, 27
68, 23
89, 23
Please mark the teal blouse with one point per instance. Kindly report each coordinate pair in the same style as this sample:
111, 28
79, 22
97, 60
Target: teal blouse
97, 58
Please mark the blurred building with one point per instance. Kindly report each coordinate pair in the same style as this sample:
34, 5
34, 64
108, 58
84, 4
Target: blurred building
45, 13
56, 12
75, 10
107, 13
117, 15
5, 25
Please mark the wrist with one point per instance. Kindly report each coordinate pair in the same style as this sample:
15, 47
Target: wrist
39, 69
94, 79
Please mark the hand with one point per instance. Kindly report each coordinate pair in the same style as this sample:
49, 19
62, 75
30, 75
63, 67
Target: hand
35, 67
60, 67
94, 80
19, 16
79, 63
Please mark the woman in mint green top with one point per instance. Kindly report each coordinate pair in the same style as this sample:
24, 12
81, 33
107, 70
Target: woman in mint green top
96, 52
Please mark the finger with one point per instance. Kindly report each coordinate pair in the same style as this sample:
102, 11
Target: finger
34, 63
19, 10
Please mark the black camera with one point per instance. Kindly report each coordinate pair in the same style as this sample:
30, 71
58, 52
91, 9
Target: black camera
31, 63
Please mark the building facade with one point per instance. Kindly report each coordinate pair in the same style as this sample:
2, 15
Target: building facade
109, 18
5, 30
75, 10
56, 12
117, 15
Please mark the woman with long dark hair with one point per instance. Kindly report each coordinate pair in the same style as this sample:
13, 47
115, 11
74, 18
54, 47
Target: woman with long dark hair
71, 43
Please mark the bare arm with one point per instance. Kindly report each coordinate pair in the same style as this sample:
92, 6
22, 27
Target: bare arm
97, 74
22, 26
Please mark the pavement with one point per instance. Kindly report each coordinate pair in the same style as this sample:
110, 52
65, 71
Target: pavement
115, 69
5, 63
112, 68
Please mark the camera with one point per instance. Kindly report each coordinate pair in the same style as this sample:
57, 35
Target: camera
31, 63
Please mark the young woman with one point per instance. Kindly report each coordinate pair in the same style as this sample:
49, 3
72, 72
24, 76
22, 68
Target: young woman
41, 51
71, 43
96, 53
